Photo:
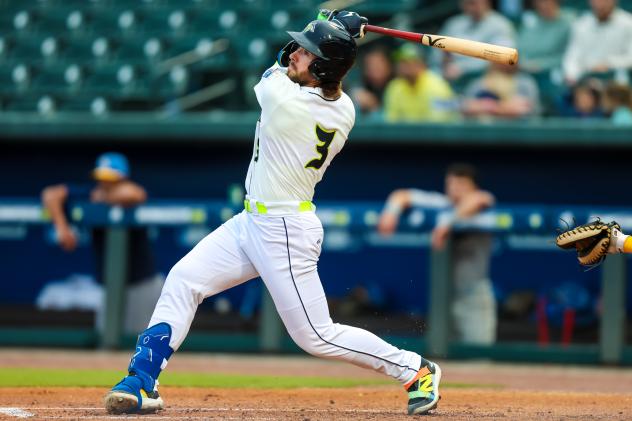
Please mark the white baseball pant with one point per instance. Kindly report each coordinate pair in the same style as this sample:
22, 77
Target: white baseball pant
284, 251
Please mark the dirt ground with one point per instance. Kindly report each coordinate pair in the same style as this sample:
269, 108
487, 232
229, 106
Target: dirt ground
500, 391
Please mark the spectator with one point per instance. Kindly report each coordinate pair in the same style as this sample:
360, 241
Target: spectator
617, 102
547, 22
599, 43
113, 187
417, 94
473, 305
584, 101
502, 92
478, 22
377, 71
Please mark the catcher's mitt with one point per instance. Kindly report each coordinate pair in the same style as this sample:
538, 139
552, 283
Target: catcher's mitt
591, 241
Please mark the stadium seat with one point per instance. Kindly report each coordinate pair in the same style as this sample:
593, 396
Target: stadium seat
127, 50
44, 105
115, 80
201, 52
58, 80
95, 105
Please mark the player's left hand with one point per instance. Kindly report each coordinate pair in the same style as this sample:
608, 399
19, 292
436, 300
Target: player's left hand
439, 237
353, 22
388, 223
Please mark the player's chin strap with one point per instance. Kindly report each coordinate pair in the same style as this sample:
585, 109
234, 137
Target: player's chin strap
150, 358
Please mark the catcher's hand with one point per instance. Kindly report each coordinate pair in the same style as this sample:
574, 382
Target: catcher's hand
591, 241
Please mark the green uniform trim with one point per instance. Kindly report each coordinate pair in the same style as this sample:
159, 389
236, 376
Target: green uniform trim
305, 206
261, 208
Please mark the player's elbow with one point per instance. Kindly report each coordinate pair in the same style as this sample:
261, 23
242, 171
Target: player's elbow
53, 194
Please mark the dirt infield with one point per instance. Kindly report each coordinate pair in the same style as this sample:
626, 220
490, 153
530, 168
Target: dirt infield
479, 391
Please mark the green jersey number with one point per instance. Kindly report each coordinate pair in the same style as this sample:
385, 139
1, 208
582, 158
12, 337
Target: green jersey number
324, 141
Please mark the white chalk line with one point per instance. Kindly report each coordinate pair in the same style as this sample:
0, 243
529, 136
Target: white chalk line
16, 412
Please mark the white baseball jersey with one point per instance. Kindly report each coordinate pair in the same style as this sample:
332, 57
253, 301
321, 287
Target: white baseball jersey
298, 134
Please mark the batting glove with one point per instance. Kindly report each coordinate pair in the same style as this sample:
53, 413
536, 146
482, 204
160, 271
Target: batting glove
352, 22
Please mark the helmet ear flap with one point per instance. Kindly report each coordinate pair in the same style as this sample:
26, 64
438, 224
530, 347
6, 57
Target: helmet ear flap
315, 68
284, 55
325, 71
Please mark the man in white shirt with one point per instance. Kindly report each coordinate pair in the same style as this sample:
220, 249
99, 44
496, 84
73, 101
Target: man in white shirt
478, 22
305, 121
600, 42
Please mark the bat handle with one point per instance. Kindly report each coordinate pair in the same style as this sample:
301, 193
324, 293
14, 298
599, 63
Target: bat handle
409, 36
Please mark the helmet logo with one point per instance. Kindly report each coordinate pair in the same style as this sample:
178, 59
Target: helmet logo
310, 27
335, 24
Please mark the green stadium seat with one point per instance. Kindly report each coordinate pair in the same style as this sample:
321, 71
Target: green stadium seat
118, 81
24, 21
201, 52
172, 84
44, 104
7, 84
143, 53
95, 105
25, 49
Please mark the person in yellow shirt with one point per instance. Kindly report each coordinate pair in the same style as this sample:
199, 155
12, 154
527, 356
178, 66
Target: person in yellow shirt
417, 94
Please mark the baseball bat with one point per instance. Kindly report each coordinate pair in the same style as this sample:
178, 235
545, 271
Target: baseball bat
482, 50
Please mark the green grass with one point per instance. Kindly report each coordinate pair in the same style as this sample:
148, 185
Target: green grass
39, 377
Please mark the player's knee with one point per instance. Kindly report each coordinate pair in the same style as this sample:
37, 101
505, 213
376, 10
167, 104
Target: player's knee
182, 280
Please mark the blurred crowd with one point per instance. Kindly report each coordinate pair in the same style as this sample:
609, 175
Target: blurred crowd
572, 64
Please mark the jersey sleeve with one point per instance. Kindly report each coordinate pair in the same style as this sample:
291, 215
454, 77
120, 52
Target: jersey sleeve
274, 88
428, 199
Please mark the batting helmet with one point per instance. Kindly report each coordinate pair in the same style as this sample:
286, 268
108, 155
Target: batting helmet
333, 46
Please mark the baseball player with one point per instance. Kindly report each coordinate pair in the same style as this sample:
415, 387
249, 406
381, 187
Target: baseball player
305, 121
113, 187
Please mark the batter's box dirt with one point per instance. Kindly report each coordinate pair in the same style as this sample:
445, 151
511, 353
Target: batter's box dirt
376, 403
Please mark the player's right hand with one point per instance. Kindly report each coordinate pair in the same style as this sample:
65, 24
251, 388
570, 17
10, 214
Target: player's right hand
353, 22
66, 238
388, 223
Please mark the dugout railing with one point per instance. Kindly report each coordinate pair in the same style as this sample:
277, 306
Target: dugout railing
357, 218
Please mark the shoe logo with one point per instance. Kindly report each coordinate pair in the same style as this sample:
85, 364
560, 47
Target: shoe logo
425, 384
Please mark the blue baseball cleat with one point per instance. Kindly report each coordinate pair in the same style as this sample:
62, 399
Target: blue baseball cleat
423, 390
130, 397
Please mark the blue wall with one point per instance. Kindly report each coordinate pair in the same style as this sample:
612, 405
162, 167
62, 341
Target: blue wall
361, 172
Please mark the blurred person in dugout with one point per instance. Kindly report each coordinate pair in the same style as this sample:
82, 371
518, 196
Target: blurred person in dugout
473, 302
478, 22
377, 72
600, 44
114, 188
503, 92
417, 94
